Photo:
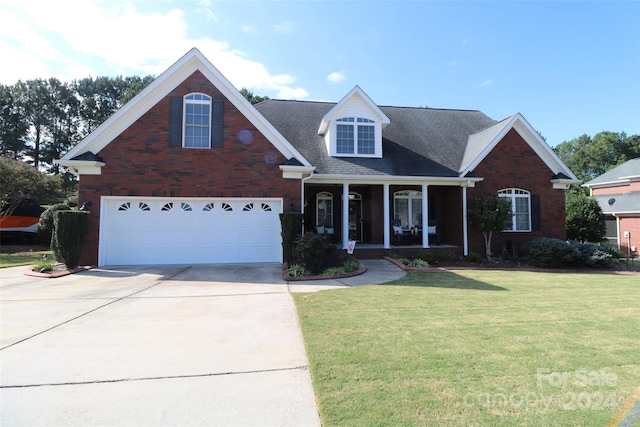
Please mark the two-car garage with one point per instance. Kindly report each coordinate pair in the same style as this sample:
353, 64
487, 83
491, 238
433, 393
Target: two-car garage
155, 230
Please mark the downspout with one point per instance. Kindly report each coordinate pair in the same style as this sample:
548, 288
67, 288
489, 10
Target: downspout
302, 182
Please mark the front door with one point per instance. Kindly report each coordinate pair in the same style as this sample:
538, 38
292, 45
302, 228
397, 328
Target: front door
355, 217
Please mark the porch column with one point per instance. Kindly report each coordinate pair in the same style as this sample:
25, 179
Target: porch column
387, 216
465, 236
425, 216
345, 215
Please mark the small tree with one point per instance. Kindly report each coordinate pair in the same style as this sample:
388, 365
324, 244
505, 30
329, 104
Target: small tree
70, 229
585, 220
490, 214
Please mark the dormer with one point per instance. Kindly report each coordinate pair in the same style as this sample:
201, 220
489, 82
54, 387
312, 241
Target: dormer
353, 128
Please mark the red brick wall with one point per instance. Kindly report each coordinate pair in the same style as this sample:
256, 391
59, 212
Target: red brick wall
616, 189
513, 164
139, 162
632, 225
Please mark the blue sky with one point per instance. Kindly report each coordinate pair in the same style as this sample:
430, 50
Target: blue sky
569, 67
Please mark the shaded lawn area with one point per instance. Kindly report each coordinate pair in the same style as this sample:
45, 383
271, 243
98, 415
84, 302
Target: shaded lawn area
483, 348
23, 258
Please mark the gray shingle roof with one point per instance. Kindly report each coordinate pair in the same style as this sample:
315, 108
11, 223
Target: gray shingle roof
617, 203
629, 168
417, 142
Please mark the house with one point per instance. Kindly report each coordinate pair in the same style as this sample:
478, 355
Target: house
189, 172
618, 194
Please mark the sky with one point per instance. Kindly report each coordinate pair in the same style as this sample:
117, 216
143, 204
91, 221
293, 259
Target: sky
569, 67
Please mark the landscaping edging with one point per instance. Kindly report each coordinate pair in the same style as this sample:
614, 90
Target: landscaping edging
56, 274
286, 276
499, 268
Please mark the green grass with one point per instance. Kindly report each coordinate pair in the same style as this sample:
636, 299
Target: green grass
444, 348
23, 258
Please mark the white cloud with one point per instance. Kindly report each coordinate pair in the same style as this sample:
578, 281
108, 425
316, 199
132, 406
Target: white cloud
41, 39
336, 77
486, 83
284, 27
249, 29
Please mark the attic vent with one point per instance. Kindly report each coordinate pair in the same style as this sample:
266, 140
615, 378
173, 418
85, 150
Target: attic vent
611, 201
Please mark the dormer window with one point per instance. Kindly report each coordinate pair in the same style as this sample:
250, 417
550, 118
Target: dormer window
355, 136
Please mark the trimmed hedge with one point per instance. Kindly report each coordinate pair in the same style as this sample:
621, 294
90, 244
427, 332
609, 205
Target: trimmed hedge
70, 229
45, 225
291, 228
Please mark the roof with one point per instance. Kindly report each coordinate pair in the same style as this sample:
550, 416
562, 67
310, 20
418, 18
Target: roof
622, 174
417, 141
620, 203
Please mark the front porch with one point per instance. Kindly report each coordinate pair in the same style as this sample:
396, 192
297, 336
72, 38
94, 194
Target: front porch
389, 217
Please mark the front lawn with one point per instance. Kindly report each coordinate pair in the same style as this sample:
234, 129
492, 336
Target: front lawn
23, 258
482, 348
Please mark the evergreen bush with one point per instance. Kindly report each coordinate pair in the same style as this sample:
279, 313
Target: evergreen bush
70, 229
291, 228
310, 252
45, 225
425, 255
593, 255
551, 253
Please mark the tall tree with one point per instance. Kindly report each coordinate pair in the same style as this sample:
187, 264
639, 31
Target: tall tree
590, 157
13, 124
585, 220
33, 99
253, 99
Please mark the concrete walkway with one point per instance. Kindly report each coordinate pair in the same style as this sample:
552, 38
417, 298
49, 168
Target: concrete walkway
159, 345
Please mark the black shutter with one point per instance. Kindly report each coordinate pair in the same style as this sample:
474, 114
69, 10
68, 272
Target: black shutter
175, 122
535, 212
217, 123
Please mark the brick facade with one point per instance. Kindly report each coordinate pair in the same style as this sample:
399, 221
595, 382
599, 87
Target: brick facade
139, 162
514, 164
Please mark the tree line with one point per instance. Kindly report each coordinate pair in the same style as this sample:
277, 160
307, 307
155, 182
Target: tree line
42, 119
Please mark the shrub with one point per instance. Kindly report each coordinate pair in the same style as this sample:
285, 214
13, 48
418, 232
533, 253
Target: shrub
70, 228
333, 271
447, 256
350, 264
400, 258
43, 265
296, 270
419, 263
551, 253
310, 252
425, 255
291, 227
474, 257
45, 225
593, 255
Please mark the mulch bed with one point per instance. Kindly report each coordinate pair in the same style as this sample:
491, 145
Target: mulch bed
59, 270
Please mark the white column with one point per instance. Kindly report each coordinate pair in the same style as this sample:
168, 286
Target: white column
345, 215
425, 216
464, 221
387, 216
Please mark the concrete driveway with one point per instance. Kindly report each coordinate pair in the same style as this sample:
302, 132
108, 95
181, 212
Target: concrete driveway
161, 345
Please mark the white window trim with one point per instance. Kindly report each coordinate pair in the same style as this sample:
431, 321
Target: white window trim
186, 101
409, 195
513, 194
364, 121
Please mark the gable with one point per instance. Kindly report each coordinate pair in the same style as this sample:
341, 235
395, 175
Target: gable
481, 143
158, 90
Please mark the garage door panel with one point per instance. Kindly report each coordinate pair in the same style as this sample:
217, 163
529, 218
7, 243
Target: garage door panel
139, 231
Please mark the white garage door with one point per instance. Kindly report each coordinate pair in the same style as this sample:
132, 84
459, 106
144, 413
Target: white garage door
153, 230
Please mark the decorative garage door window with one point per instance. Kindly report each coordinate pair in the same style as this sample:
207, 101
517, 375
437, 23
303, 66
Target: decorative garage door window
187, 207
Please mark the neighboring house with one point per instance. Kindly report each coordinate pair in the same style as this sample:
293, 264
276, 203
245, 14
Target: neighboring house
618, 194
189, 172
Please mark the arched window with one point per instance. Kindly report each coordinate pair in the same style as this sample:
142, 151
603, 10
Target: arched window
407, 207
197, 121
324, 209
520, 208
